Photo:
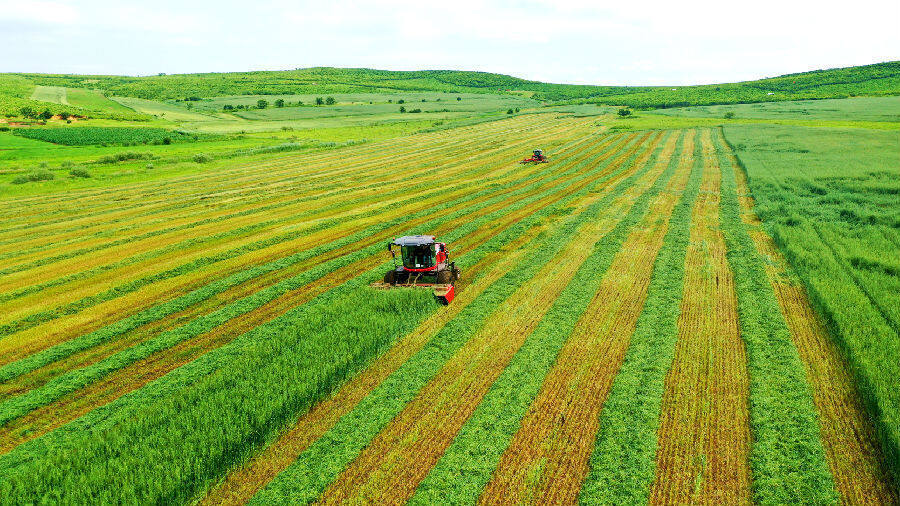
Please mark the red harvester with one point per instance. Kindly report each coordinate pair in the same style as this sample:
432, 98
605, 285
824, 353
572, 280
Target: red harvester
425, 263
537, 157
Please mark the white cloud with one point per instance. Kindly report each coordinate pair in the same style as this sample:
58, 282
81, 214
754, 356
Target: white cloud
579, 41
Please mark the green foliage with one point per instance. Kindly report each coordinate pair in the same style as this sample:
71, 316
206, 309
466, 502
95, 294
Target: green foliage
262, 104
34, 176
786, 457
122, 136
624, 112
123, 156
829, 199
330, 101
79, 172
201, 158
320, 101
279, 102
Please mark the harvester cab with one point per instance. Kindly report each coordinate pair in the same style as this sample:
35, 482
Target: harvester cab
424, 262
536, 157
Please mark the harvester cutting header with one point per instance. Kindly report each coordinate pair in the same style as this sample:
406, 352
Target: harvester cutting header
424, 263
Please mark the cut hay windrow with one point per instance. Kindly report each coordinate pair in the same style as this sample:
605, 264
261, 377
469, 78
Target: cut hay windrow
305, 479
703, 433
787, 459
56, 414
173, 194
241, 484
289, 192
191, 268
341, 195
622, 465
63, 350
466, 465
250, 367
294, 203
400, 456
547, 457
849, 437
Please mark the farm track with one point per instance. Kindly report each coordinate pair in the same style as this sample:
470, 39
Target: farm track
401, 455
854, 453
704, 434
138, 374
547, 458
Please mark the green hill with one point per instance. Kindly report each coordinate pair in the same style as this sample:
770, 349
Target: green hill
872, 80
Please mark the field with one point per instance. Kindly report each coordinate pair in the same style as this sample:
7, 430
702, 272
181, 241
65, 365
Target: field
678, 308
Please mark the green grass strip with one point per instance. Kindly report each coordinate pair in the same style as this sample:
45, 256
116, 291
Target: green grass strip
465, 468
154, 313
786, 456
170, 440
320, 464
623, 464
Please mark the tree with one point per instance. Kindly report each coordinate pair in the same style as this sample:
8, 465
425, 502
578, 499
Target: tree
402, 109
262, 104
729, 115
509, 111
320, 100
458, 99
64, 115
401, 101
46, 114
330, 101
624, 112
279, 103
27, 112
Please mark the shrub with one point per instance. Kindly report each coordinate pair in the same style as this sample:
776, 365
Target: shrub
79, 172
415, 111
262, 104
624, 112
401, 101
729, 115
279, 103
402, 109
66, 164
123, 156
4, 129
27, 112
320, 100
330, 101
458, 99
167, 140
33, 176
227, 107
509, 111
201, 158
149, 166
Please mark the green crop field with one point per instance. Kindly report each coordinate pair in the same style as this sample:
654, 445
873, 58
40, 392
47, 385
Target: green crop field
692, 304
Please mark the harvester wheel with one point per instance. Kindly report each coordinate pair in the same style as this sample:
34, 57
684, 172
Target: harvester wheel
389, 278
454, 270
444, 278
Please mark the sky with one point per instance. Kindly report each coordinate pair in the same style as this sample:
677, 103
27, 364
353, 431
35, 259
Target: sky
645, 42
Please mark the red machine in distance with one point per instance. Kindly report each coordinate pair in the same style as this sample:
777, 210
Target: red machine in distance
536, 157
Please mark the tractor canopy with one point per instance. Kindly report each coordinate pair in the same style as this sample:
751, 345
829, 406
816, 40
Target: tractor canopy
416, 251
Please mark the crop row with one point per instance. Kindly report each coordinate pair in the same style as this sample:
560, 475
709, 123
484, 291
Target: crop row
203, 324
263, 344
